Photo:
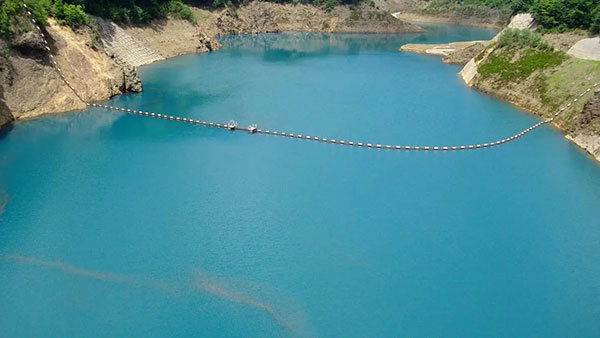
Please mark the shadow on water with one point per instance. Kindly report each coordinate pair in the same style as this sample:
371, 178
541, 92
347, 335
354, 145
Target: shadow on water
290, 46
234, 290
6, 129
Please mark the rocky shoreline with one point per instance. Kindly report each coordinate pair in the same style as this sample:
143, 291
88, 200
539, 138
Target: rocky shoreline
101, 64
579, 124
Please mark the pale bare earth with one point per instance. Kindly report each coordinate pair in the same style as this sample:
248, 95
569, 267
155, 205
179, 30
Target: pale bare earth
173, 37
396, 5
168, 38
258, 17
590, 143
439, 49
522, 21
564, 41
588, 49
473, 22
120, 43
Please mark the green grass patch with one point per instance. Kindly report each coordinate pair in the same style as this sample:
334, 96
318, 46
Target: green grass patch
354, 13
202, 14
501, 67
182, 11
520, 38
565, 83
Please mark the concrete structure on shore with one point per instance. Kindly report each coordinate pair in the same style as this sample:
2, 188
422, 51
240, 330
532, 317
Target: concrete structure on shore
588, 49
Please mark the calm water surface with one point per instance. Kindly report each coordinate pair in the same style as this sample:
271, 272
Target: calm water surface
117, 225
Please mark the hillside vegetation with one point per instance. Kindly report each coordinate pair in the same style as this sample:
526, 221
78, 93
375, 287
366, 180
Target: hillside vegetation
74, 13
523, 68
551, 15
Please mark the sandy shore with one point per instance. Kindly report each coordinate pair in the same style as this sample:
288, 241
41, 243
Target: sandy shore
439, 49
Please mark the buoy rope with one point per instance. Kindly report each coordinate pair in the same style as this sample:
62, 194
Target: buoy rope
253, 129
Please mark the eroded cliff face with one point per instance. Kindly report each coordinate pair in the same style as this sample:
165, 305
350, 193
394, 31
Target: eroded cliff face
99, 67
260, 17
586, 126
32, 87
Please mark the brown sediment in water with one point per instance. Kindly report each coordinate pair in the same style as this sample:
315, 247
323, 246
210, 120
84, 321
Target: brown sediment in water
242, 299
206, 286
98, 275
3, 200
3, 206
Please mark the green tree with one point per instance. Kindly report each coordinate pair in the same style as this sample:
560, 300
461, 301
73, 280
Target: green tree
595, 24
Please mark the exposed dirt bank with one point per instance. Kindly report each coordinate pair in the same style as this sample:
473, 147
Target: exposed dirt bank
541, 82
496, 22
454, 53
31, 86
100, 67
258, 17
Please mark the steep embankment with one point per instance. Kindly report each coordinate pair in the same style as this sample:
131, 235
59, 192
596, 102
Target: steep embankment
541, 79
31, 87
258, 17
447, 12
102, 64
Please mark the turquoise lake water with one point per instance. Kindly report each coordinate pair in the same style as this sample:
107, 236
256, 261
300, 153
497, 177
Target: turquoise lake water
116, 225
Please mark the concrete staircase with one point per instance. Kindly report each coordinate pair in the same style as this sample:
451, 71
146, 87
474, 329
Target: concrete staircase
124, 46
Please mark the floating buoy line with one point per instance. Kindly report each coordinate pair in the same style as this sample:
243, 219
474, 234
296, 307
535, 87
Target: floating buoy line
253, 129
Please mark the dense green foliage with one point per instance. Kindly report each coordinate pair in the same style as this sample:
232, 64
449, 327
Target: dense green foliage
11, 15
73, 12
519, 38
135, 11
71, 15
554, 15
505, 65
560, 15
181, 10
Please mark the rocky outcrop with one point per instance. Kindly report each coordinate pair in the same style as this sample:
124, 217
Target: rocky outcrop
545, 89
164, 39
131, 80
207, 44
29, 44
590, 115
521, 21
586, 127
454, 52
261, 17
6, 79
32, 87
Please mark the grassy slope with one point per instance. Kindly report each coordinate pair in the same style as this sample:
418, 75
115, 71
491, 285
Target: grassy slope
453, 9
566, 82
538, 80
